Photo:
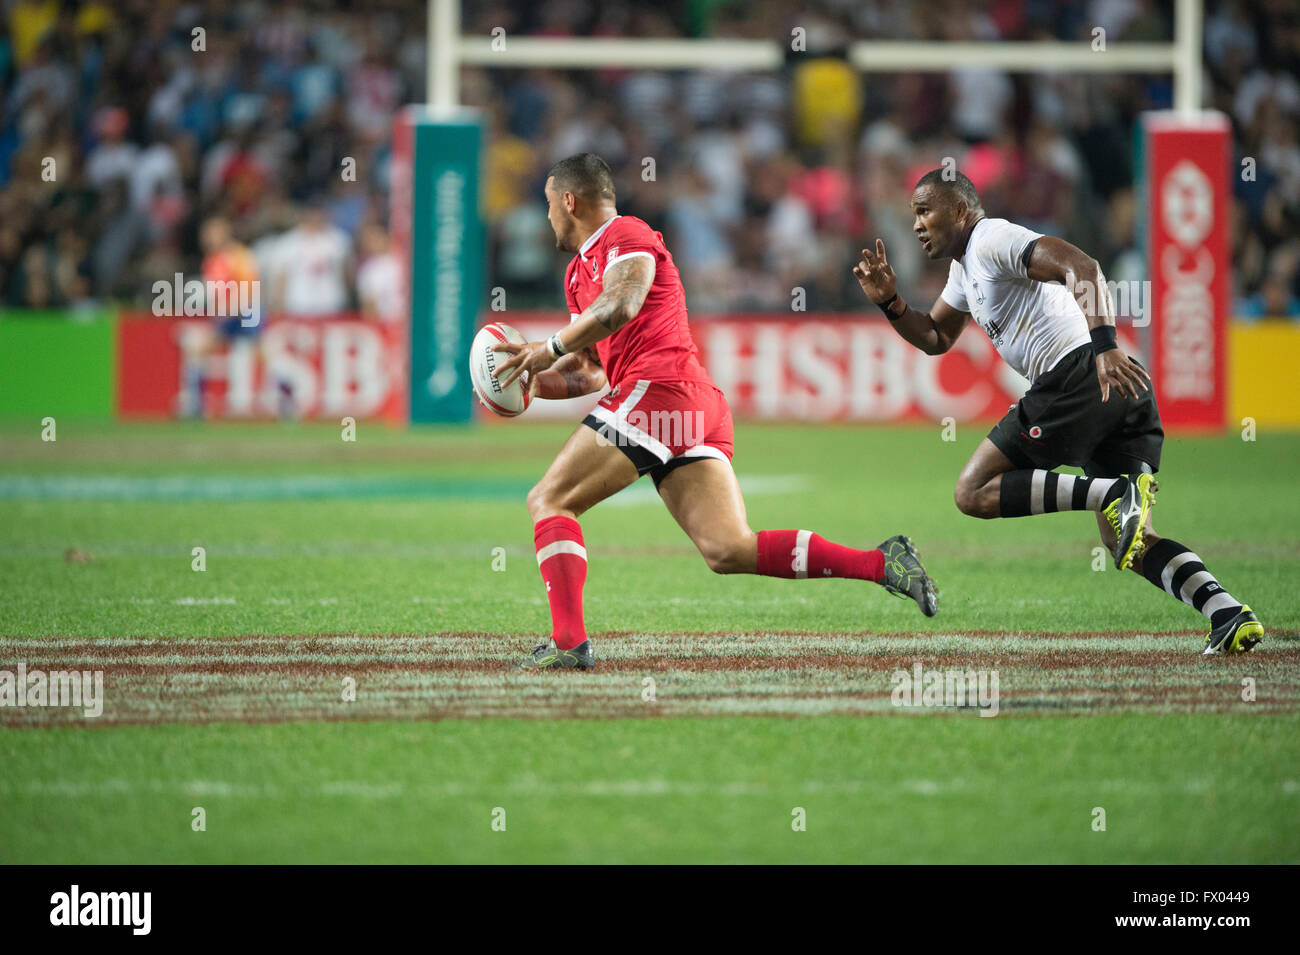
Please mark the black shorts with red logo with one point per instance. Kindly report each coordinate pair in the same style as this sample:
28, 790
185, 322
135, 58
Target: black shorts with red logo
1062, 420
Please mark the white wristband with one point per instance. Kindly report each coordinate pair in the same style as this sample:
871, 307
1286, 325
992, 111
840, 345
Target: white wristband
553, 343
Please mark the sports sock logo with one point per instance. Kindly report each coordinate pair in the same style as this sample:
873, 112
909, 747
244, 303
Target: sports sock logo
102, 908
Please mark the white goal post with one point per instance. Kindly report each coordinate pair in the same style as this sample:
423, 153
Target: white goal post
448, 50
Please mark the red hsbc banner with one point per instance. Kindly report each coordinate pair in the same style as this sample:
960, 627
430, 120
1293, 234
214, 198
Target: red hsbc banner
329, 368
826, 368
1187, 169
858, 369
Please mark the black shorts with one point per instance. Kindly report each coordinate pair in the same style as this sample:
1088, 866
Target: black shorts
1062, 420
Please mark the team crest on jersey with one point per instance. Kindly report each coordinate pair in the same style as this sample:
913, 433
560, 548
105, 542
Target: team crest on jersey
595, 269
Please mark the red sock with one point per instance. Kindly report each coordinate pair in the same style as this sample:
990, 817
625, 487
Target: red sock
563, 562
805, 554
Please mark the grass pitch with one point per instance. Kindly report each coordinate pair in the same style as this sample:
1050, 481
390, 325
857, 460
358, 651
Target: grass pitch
404, 562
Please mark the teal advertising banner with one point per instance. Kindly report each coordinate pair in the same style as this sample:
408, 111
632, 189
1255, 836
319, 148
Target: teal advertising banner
448, 251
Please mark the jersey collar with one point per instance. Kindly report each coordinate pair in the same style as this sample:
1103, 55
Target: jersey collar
981, 220
591, 239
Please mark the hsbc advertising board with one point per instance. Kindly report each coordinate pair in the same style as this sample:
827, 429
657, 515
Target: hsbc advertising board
818, 367
1187, 164
332, 368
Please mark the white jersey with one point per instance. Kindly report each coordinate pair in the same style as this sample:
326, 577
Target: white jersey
381, 288
1031, 324
314, 265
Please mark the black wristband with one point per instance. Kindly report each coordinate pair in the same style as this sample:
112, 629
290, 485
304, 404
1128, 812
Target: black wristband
884, 307
1103, 339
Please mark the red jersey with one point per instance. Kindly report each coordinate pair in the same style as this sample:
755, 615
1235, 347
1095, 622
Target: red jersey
657, 344
234, 263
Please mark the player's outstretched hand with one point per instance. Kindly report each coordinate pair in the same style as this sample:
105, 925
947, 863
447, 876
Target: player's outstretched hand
530, 357
1116, 370
876, 275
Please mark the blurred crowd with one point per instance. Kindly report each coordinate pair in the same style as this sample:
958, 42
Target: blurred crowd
129, 124
124, 130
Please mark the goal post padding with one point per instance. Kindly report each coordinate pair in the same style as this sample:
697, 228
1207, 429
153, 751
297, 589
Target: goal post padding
441, 240
1185, 173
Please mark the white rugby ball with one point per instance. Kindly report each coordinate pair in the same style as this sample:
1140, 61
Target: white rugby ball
508, 401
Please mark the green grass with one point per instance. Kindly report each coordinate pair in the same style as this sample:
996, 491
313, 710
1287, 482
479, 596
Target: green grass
397, 534
938, 790
416, 562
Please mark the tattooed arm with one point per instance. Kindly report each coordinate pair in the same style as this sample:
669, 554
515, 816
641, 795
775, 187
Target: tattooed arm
573, 376
627, 283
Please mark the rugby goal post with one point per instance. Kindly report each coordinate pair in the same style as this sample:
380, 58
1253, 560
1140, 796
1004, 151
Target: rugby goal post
1182, 172
448, 50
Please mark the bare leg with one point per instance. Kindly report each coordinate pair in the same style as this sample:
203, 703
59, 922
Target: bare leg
980, 480
705, 500
584, 473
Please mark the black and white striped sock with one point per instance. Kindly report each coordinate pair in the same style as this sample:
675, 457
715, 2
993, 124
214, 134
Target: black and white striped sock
1041, 492
1177, 571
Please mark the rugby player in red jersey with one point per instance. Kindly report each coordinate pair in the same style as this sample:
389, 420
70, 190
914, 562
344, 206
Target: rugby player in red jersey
663, 416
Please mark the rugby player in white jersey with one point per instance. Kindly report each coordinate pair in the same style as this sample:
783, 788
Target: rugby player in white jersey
1045, 306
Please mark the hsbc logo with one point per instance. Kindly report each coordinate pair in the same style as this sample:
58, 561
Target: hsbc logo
1188, 204
1187, 268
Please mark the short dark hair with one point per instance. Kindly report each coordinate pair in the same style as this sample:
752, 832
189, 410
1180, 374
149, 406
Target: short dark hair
585, 175
953, 184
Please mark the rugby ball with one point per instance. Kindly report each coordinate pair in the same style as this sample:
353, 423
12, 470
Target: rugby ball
509, 401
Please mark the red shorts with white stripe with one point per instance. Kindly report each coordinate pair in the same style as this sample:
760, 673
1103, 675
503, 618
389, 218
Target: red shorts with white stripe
661, 425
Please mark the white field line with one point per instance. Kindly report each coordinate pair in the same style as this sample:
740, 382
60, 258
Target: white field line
640, 494
387, 790
465, 549
640, 644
